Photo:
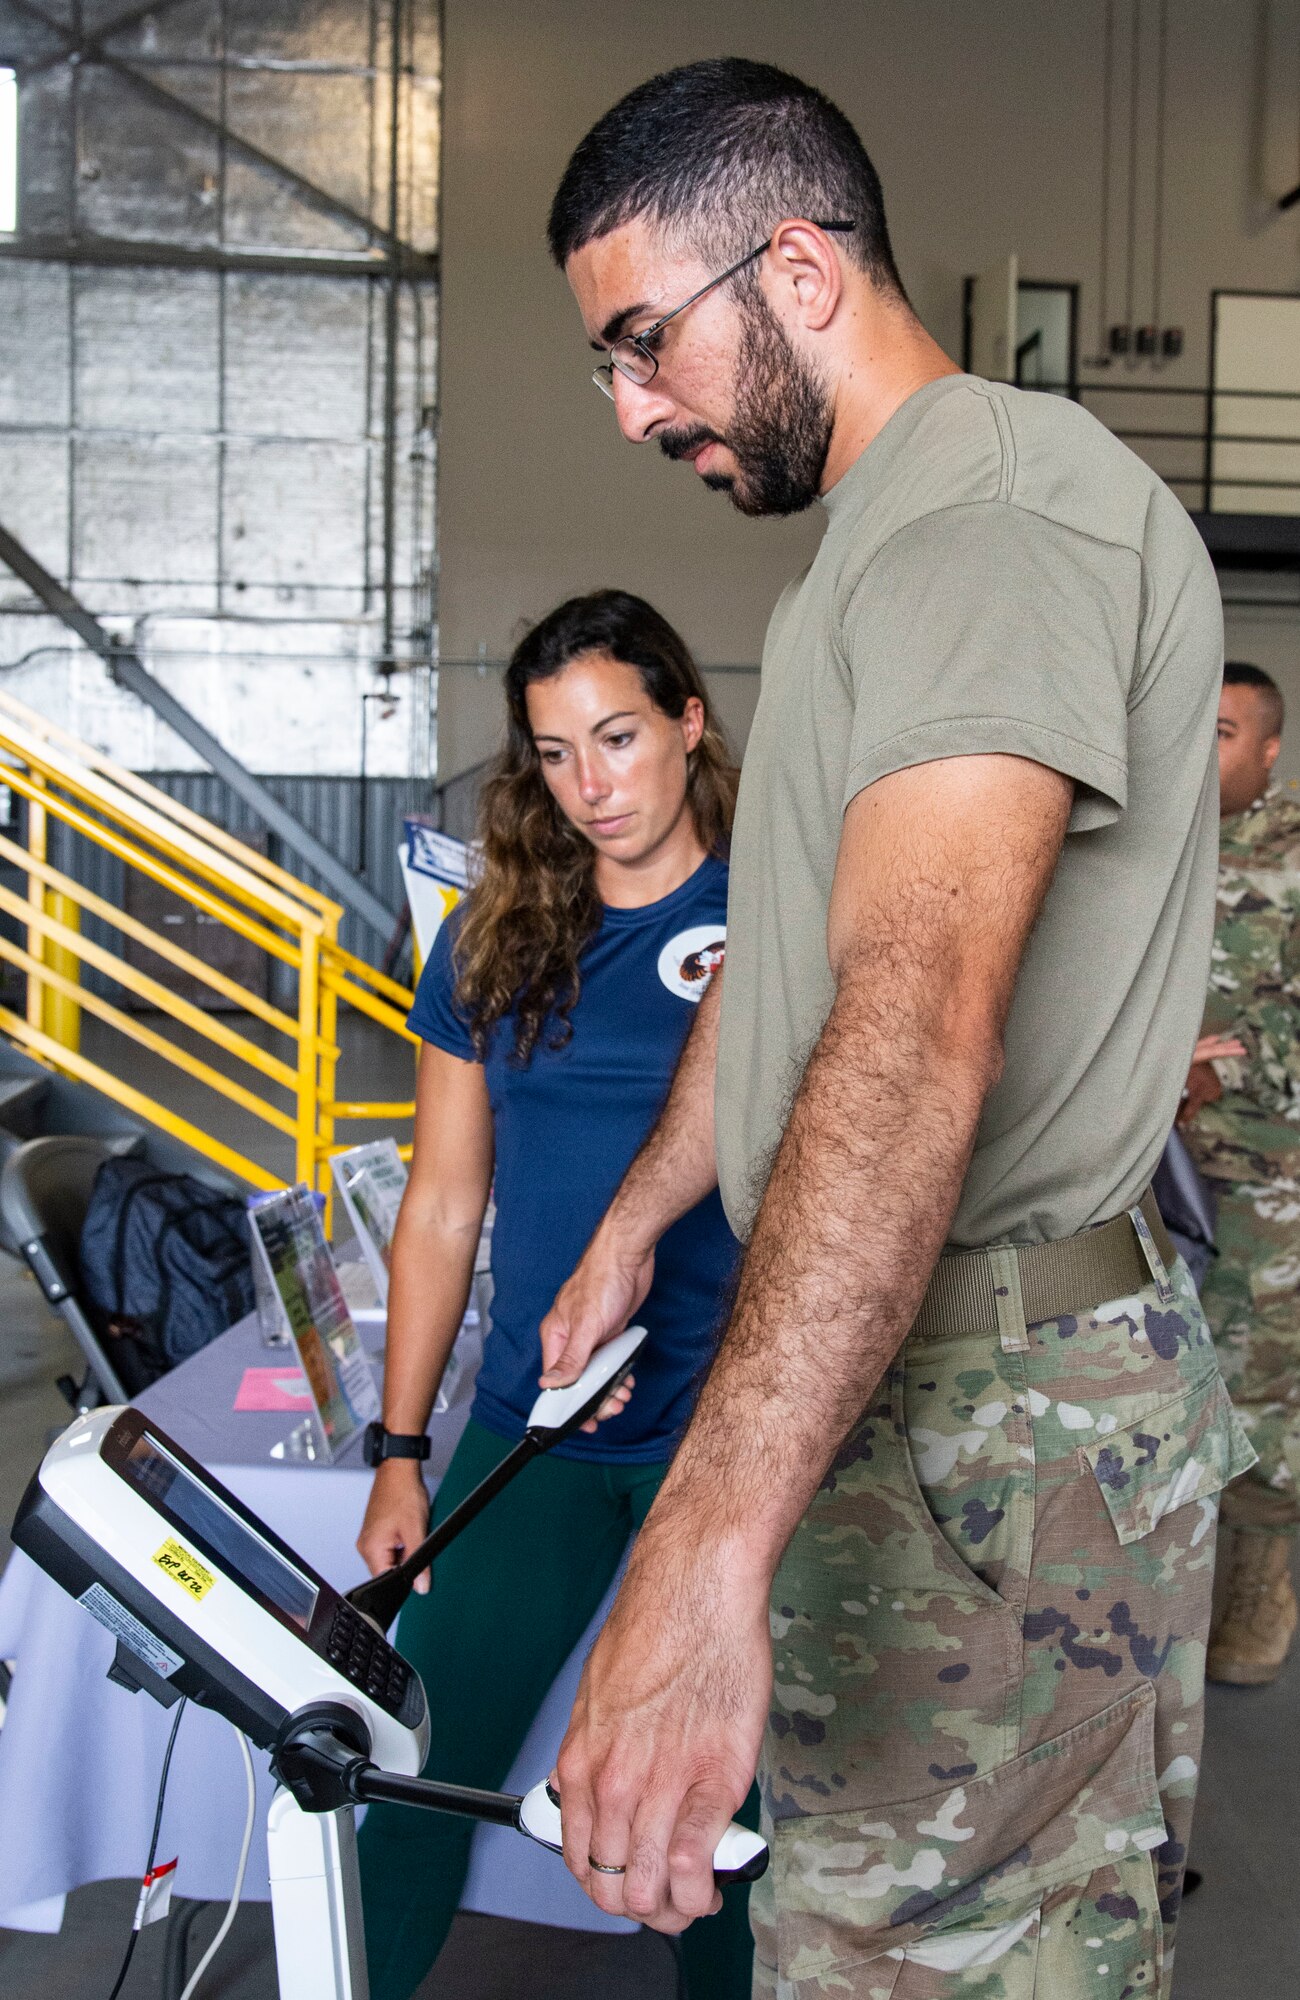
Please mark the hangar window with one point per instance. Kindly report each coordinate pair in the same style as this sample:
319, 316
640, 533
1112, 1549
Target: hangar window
8, 152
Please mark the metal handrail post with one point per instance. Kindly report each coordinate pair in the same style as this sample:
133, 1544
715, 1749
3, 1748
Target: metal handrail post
326, 1076
62, 1009
36, 839
309, 983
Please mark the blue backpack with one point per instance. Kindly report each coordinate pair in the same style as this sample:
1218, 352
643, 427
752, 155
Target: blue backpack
165, 1266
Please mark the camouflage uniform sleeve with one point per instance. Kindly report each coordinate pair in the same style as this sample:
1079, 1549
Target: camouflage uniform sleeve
1266, 1019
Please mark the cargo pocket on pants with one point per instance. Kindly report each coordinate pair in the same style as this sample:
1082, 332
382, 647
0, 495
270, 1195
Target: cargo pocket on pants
851, 1886
1187, 1449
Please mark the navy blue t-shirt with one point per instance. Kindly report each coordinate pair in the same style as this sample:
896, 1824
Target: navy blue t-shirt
567, 1126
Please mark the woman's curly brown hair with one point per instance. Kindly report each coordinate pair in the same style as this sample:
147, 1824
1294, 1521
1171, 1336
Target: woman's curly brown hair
534, 907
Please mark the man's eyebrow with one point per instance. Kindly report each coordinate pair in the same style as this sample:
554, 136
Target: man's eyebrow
612, 328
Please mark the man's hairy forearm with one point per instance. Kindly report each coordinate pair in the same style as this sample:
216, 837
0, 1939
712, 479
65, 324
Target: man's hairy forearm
856, 1211
677, 1166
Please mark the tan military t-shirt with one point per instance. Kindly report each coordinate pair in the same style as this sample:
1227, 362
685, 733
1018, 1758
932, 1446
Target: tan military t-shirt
999, 574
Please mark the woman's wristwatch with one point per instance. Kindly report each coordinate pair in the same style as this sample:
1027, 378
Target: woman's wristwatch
381, 1444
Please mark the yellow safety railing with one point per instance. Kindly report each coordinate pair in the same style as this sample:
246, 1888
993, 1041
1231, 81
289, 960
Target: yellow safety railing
281, 1068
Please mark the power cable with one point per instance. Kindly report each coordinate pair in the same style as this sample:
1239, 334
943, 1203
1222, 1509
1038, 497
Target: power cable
1130, 256
191, 1983
153, 1850
1291, 197
1158, 226
1103, 245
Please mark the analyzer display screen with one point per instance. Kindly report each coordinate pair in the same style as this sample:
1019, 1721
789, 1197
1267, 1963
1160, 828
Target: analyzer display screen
219, 1533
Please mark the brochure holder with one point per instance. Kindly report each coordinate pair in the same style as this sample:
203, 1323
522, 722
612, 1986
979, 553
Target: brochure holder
289, 1239
371, 1180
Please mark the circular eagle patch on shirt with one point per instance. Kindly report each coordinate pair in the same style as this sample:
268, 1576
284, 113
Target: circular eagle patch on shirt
688, 961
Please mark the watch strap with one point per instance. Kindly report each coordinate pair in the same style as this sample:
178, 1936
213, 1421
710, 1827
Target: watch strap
382, 1444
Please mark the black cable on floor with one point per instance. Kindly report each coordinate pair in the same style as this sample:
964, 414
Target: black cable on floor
153, 1846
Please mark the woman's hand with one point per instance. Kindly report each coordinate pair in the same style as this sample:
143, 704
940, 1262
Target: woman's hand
397, 1518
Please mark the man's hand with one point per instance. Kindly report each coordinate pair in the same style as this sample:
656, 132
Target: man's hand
1203, 1086
664, 1739
593, 1305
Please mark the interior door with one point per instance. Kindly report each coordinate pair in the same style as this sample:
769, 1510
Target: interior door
1255, 433
992, 343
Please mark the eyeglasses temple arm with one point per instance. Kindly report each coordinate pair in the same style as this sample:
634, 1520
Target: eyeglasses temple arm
637, 339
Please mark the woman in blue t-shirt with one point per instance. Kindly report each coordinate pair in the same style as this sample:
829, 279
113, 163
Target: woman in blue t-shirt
552, 1010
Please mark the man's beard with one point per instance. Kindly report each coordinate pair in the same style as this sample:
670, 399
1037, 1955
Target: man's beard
781, 430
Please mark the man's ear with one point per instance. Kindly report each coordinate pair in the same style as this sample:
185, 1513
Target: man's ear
1271, 749
806, 267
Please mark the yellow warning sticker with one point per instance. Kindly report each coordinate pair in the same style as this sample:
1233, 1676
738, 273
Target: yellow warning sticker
188, 1571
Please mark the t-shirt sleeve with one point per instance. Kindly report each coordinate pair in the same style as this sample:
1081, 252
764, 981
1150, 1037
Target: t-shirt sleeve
988, 629
435, 1017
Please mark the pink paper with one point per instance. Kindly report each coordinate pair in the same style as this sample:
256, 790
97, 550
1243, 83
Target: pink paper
283, 1388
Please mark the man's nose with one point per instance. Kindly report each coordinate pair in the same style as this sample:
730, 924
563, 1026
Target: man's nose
642, 408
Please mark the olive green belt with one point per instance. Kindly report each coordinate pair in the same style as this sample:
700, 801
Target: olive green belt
1072, 1276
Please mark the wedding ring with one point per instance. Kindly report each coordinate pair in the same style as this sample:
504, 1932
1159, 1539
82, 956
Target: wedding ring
603, 1867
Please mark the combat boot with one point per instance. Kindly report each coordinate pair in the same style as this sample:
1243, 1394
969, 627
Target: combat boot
1253, 1636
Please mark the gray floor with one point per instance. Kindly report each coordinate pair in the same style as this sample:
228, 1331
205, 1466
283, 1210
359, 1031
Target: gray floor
485, 1958
1240, 1933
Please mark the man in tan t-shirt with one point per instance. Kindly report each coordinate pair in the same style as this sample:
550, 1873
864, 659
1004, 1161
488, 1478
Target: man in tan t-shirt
954, 1474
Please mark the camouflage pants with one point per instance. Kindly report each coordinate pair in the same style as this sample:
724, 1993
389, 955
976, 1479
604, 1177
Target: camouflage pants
989, 1647
1251, 1297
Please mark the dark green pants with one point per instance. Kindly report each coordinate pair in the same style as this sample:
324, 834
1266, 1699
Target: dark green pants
510, 1601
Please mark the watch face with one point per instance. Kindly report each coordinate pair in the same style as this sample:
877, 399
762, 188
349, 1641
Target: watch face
373, 1443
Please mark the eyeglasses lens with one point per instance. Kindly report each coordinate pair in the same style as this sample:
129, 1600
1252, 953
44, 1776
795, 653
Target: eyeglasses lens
631, 361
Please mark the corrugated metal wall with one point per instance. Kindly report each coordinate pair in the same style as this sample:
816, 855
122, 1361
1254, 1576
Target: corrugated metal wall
331, 808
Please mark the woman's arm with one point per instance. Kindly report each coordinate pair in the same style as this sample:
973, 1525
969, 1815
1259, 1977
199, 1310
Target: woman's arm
434, 1246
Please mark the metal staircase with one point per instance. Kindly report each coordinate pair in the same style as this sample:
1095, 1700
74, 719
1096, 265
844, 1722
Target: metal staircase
102, 1012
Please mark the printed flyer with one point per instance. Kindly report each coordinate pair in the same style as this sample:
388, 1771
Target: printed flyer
287, 1232
372, 1181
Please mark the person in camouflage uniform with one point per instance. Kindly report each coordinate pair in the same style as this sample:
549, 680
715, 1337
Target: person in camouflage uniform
1241, 1120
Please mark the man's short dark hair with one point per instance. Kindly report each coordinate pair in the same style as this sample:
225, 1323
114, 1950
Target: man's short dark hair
715, 154
1240, 673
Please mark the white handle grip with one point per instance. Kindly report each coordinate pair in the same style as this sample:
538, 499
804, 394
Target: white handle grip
740, 1856
556, 1406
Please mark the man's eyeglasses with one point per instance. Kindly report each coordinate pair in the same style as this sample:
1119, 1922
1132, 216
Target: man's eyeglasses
632, 355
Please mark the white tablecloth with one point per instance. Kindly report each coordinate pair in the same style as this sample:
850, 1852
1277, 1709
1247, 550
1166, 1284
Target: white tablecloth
80, 1757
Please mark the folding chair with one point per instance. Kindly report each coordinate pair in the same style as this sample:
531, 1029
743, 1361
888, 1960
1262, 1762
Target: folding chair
45, 1188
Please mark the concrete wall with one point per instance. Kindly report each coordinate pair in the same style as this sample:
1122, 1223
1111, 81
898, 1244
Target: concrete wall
986, 125
194, 423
